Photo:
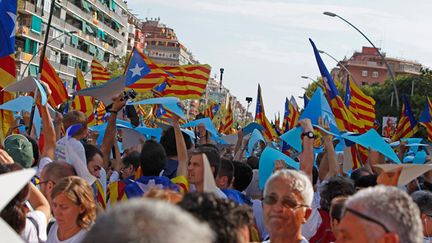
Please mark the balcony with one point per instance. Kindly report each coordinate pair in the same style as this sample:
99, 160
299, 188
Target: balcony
108, 12
29, 8
26, 32
89, 18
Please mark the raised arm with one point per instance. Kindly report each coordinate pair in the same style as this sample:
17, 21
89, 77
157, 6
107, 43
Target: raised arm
307, 155
48, 130
182, 155
109, 136
331, 160
39, 202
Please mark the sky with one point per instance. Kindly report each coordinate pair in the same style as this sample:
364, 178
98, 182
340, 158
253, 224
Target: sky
266, 41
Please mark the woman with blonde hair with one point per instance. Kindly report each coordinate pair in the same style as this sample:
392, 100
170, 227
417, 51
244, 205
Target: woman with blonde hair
74, 209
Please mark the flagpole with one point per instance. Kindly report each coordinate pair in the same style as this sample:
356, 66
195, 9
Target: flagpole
41, 62
379, 53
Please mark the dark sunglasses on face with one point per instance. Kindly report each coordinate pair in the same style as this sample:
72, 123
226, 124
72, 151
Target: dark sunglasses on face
367, 218
285, 201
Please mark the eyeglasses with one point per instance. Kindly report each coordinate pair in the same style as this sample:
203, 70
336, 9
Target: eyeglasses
42, 182
365, 217
286, 202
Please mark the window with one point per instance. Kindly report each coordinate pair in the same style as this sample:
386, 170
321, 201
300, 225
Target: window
364, 82
364, 73
375, 74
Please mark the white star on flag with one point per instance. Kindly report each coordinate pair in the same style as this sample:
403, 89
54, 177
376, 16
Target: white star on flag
136, 70
13, 17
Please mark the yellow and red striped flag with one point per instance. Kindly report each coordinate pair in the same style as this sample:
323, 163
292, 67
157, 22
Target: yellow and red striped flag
82, 103
100, 113
99, 73
7, 76
211, 110
361, 105
260, 118
426, 118
407, 125
228, 121
189, 81
49, 75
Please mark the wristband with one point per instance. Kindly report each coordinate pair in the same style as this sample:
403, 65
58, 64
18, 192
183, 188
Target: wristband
115, 112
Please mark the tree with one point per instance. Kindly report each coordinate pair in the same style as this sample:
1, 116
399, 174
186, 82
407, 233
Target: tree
117, 67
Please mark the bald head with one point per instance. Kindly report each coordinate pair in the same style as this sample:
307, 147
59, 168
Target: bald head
51, 174
56, 171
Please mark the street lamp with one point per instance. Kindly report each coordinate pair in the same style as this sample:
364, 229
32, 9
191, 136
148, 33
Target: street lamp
381, 55
306, 77
338, 63
28, 64
221, 74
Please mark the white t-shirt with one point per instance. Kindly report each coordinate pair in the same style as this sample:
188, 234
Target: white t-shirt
311, 226
30, 233
52, 236
303, 240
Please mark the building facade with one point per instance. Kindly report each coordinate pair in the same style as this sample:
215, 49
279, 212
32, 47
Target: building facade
80, 31
367, 67
162, 45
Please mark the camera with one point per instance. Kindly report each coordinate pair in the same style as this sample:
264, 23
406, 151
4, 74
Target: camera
130, 94
249, 99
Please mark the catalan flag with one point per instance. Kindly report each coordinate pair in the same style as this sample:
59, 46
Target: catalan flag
166, 115
99, 73
291, 116
142, 74
260, 118
8, 11
407, 125
50, 76
100, 113
229, 120
426, 118
345, 120
189, 81
82, 103
211, 110
361, 105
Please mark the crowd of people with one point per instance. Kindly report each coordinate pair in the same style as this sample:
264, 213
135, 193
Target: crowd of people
181, 189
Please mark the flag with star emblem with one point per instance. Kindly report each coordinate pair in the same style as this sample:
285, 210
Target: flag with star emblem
8, 9
137, 68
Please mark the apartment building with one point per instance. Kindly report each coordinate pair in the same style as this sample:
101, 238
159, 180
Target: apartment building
80, 31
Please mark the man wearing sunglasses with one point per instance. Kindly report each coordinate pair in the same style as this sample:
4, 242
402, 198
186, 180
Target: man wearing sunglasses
380, 214
287, 199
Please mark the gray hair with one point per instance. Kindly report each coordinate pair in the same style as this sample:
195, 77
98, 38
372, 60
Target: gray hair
392, 207
299, 183
148, 221
423, 199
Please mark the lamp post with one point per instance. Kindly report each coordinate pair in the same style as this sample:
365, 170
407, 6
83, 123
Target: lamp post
338, 63
249, 101
221, 76
381, 55
28, 64
306, 77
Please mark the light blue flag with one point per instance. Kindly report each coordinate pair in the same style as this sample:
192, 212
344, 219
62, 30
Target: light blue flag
420, 157
101, 129
319, 107
190, 133
293, 138
266, 164
207, 123
169, 103
371, 139
24, 103
412, 141
148, 132
254, 138
251, 127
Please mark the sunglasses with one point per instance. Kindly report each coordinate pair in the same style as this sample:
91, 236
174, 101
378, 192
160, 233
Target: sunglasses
286, 202
365, 217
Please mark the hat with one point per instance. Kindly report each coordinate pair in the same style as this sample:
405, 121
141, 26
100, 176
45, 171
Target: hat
20, 149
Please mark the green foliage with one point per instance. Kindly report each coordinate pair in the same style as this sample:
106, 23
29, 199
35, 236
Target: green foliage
117, 67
